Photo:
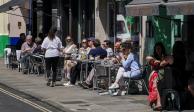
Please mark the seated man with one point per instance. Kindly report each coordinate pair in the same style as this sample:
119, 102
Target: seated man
107, 46
96, 53
26, 50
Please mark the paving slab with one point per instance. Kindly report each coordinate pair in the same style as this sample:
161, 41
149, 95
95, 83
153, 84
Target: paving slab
72, 99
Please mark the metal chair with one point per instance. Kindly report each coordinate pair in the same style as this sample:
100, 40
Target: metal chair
140, 80
38, 63
101, 77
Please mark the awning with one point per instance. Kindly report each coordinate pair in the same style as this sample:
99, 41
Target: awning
180, 7
7, 6
143, 7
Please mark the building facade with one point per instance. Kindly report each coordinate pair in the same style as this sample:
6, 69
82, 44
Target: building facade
14, 19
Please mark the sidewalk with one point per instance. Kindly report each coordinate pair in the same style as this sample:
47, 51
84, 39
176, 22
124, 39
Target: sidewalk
71, 99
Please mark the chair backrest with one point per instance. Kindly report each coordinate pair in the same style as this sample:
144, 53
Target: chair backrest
144, 71
18, 54
100, 70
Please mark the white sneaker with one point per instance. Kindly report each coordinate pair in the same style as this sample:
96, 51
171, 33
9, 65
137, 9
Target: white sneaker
68, 84
114, 86
123, 93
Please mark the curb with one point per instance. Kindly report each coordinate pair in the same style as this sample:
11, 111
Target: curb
37, 98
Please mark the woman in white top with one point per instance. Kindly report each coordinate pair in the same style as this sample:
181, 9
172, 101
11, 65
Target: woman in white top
70, 49
52, 45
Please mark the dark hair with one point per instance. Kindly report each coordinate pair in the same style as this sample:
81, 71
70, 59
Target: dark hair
97, 43
41, 35
108, 42
127, 45
51, 34
22, 34
163, 52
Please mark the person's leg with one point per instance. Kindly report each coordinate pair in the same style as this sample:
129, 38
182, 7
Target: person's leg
158, 102
90, 77
48, 69
120, 74
23, 62
68, 72
75, 72
27, 61
132, 74
157, 94
54, 68
67, 69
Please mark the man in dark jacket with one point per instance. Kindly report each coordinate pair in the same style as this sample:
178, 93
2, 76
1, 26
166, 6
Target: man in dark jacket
98, 51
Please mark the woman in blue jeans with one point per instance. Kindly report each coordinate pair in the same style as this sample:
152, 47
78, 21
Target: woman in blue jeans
130, 64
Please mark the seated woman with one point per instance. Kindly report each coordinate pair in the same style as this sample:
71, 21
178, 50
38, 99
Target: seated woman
83, 50
69, 64
130, 64
82, 56
158, 61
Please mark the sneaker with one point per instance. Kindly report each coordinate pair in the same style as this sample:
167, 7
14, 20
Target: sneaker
48, 83
52, 84
115, 93
114, 86
86, 86
123, 93
68, 84
25, 71
80, 84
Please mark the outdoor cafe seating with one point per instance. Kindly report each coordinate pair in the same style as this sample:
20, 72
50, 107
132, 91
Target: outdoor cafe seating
104, 75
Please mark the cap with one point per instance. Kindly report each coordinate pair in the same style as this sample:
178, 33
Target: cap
91, 39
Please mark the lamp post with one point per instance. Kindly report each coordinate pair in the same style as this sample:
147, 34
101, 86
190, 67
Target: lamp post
115, 20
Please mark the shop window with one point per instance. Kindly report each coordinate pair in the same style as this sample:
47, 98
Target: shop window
177, 28
149, 29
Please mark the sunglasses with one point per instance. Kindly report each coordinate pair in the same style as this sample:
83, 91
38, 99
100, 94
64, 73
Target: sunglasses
84, 42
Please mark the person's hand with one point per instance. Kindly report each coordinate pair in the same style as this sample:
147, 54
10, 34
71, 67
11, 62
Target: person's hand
97, 58
91, 57
157, 62
170, 60
164, 63
122, 57
149, 58
28, 50
115, 60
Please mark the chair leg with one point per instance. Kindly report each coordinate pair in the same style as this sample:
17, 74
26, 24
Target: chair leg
143, 81
128, 84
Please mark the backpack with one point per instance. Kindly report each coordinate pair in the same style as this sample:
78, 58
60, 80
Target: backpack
170, 100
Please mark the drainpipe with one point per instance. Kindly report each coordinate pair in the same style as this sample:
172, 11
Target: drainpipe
30, 17
79, 23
